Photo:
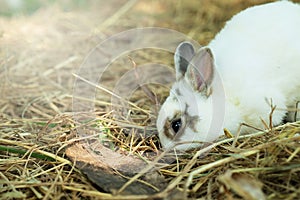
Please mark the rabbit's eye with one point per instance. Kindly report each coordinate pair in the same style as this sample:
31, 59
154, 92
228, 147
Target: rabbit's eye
176, 125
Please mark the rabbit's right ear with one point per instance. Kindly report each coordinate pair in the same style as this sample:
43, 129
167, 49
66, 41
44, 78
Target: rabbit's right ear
183, 55
200, 72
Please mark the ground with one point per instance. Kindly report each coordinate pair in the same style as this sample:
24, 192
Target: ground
43, 48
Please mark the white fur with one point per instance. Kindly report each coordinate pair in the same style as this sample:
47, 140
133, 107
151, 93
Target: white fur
257, 55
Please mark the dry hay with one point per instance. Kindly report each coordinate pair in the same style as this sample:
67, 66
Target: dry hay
37, 126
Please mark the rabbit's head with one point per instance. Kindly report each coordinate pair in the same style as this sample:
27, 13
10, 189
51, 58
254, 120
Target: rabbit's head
185, 117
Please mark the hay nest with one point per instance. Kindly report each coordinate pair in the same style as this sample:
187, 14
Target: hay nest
47, 154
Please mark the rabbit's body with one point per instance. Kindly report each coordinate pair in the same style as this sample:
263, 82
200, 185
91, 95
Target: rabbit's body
257, 56
258, 59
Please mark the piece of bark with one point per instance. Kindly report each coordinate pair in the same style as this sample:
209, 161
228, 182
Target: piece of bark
110, 170
246, 186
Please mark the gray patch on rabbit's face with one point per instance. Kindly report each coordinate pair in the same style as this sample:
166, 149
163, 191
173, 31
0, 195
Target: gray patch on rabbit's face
177, 91
191, 121
167, 130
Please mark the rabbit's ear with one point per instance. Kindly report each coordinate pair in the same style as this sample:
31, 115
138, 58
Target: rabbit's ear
183, 55
201, 70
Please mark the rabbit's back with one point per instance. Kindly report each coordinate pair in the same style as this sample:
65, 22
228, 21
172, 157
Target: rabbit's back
260, 48
257, 54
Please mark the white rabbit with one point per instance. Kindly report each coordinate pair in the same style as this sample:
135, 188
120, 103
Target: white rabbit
257, 59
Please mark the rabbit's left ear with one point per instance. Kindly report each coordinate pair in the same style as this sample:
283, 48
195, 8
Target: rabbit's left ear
200, 71
183, 55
